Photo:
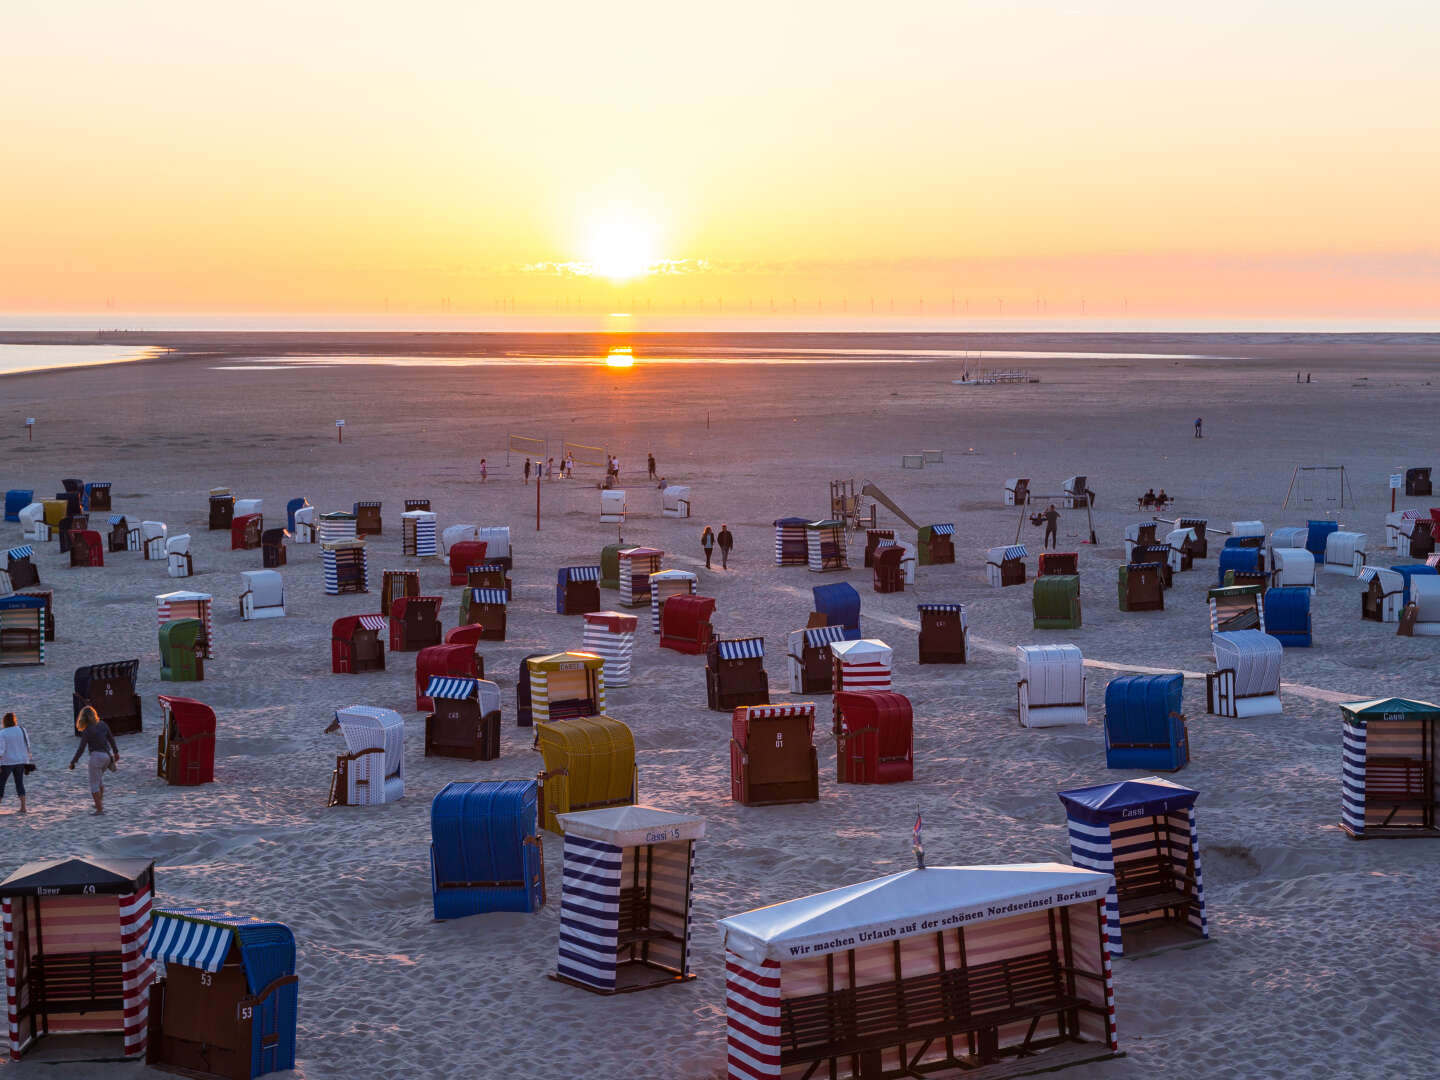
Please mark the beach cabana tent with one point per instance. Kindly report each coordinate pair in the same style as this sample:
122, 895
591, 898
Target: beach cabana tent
337, 527
1383, 595
245, 530
1017, 491
185, 750
22, 629
1287, 616
306, 529
1144, 727
1235, 558
1142, 832
121, 536
665, 584
497, 545
179, 564
610, 635
417, 534
577, 590
612, 506
791, 547
942, 633
625, 898
367, 517
20, 567
415, 623
109, 689
264, 595
1236, 607
395, 584
433, 660
344, 566
1182, 543
1246, 681
1388, 777
825, 546
182, 650
735, 674
840, 606
685, 624
936, 544
1051, 686
636, 566
1006, 565
675, 501
188, 605
565, 685
862, 664
486, 853
222, 509
1417, 481
16, 499
372, 769
772, 754
874, 742
888, 576
589, 765
524, 713
227, 1005
272, 548
1345, 553
810, 662
485, 606
87, 548
1293, 567
489, 575
1200, 548
1141, 587
610, 565
75, 931
466, 720
945, 968
356, 644
1056, 602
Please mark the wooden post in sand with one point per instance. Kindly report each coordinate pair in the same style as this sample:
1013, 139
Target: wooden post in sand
30, 428
537, 500
340, 431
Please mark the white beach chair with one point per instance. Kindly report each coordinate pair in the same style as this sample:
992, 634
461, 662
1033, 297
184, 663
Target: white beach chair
1292, 567
1425, 595
248, 506
374, 766
454, 534
612, 506
264, 595
152, 539
305, 531
1246, 680
1345, 553
1051, 689
31, 518
1177, 539
177, 554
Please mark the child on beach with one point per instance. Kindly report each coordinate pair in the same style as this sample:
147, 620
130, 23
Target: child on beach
483, 471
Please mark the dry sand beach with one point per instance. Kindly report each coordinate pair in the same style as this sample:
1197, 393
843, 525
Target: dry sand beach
1323, 952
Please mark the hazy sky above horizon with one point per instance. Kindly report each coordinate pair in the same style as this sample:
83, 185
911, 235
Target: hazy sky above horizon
1226, 158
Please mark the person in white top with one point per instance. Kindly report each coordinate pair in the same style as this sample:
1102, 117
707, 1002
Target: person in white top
14, 757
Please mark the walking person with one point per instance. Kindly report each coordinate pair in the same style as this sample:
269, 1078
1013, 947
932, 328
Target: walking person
1052, 527
15, 758
484, 472
707, 541
570, 466
726, 540
650, 460
104, 754
527, 471
1198, 422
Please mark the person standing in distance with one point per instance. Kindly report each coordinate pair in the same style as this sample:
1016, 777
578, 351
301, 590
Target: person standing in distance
707, 541
1052, 527
104, 754
14, 757
1198, 422
650, 459
726, 540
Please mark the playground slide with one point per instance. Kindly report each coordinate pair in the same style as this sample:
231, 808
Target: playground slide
884, 500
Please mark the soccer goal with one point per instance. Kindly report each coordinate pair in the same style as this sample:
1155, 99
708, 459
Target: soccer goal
1320, 488
585, 455
524, 444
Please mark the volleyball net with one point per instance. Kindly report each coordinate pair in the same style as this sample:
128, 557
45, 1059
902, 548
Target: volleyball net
524, 444
585, 455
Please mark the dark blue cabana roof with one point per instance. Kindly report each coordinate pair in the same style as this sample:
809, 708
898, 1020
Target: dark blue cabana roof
1106, 803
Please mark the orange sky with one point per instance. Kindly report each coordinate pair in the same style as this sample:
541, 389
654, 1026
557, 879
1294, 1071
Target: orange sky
1042, 157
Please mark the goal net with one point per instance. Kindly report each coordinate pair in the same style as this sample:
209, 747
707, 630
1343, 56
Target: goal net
585, 455
1319, 489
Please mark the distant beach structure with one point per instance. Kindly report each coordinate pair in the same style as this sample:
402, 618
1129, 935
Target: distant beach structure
980, 377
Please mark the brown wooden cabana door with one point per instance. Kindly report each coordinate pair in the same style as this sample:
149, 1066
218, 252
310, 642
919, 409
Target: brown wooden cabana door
200, 1028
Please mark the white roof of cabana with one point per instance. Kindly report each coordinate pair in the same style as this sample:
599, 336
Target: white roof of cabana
906, 904
632, 826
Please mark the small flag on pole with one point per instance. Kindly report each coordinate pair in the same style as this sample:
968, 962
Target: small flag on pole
918, 844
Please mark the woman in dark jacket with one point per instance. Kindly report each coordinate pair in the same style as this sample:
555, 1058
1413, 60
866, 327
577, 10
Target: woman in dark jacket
707, 541
104, 754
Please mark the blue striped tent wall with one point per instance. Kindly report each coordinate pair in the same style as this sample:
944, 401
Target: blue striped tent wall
1197, 911
1352, 779
1090, 849
590, 912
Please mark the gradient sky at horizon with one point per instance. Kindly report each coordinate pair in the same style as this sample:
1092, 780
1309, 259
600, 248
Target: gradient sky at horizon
1230, 158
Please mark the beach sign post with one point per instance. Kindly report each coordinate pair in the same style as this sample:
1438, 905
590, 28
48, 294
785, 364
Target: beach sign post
30, 428
340, 431
1397, 481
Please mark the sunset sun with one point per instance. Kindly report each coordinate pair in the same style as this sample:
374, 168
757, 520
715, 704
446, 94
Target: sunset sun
620, 250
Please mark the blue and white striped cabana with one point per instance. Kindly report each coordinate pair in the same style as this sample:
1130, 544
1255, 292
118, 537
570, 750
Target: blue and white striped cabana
625, 897
1387, 768
1142, 832
750, 648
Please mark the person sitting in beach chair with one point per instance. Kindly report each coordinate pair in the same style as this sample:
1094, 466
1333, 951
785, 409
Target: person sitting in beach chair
1162, 500
1148, 499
